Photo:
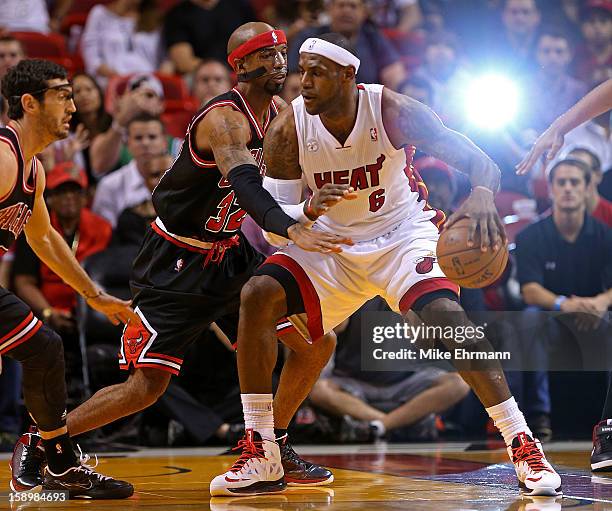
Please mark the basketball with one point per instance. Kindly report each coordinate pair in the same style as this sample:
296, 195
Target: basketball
469, 266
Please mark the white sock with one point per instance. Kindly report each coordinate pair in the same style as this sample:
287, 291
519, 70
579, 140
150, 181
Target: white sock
380, 427
509, 420
258, 414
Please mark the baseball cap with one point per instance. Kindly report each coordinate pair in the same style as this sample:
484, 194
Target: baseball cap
430, 164
601, 5
147, 81
66, 172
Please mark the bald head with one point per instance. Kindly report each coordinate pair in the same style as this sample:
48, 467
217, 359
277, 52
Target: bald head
245, 32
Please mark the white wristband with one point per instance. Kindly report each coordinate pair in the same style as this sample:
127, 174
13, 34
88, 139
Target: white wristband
484, 188
296, 211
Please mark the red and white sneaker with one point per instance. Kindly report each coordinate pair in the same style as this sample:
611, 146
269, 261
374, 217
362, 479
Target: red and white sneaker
535, 475
257, 471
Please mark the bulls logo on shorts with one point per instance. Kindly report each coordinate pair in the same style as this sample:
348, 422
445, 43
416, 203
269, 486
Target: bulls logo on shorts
425, 264
134, 340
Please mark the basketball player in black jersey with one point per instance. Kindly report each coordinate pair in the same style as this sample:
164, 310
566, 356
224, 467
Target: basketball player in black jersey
40, 107
194, 259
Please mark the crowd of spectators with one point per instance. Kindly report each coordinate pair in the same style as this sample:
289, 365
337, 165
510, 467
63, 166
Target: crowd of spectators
140, 70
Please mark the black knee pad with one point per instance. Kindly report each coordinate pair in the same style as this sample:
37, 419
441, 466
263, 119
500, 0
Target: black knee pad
44, 383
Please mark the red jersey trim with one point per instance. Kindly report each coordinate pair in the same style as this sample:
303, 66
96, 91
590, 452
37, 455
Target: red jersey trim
258, 128
21, 333
33, 167
424, 287
201, 162
307, 290
10, 144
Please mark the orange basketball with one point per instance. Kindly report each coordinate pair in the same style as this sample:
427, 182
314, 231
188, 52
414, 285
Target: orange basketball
469, 267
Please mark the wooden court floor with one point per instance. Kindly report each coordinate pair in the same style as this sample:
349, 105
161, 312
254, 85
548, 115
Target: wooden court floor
436, 477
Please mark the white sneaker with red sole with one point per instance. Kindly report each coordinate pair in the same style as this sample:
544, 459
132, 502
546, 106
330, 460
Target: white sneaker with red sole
257, 471
535, 474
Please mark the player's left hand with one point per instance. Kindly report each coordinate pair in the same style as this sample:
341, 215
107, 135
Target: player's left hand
480, 208
116, 310
548, 144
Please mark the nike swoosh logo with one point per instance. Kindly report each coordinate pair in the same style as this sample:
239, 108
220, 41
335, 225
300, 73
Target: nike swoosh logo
234, 480
87, 486
534, 479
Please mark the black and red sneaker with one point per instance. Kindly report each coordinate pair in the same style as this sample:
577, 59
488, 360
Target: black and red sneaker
27, 463
601, 455
299, 472
83, 482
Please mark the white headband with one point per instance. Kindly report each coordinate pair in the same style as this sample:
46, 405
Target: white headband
331, 51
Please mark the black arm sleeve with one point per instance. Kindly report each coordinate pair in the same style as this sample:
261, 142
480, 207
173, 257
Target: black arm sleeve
257, 201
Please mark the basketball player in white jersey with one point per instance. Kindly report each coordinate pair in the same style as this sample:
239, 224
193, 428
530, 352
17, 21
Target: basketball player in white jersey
350, 139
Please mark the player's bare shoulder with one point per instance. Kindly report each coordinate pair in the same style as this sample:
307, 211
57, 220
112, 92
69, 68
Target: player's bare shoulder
220, 125
226, 133
8, 169
281, 148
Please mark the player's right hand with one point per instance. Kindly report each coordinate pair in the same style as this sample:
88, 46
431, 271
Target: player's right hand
327, 197
116, 310
316, 241
547, 143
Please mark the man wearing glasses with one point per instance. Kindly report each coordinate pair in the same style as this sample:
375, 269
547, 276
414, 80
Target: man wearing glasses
40, 107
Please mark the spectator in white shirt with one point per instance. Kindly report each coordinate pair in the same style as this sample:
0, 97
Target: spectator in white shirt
120, 38
126, 187
32, 15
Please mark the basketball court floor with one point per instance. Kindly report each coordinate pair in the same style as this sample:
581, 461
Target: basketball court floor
436, 477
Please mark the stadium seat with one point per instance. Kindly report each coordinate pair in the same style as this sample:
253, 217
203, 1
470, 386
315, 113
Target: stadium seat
511, 203
84, 6
46, 46
176, 122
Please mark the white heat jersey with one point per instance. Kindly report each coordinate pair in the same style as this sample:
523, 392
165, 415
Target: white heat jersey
388, 189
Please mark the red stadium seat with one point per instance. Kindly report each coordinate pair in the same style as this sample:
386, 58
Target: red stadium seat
84, 6
176, 122
46, 46
166, 5
506, 202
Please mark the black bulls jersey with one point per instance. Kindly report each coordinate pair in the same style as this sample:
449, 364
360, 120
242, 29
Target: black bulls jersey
16, 206
193, 199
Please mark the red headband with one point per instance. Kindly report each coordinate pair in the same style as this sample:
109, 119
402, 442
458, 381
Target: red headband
271, 38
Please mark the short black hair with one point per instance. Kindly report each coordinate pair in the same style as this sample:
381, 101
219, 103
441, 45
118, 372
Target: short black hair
338, 40
596, 161
586, 170
146, 117
29, 75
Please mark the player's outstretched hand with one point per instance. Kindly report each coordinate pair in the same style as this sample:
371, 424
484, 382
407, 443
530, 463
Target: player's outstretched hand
548, 143
116, 310
480, 208
327, 197
316, 241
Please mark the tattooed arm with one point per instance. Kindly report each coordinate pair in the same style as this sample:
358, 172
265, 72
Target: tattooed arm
227, 133
409, 122
281, 149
